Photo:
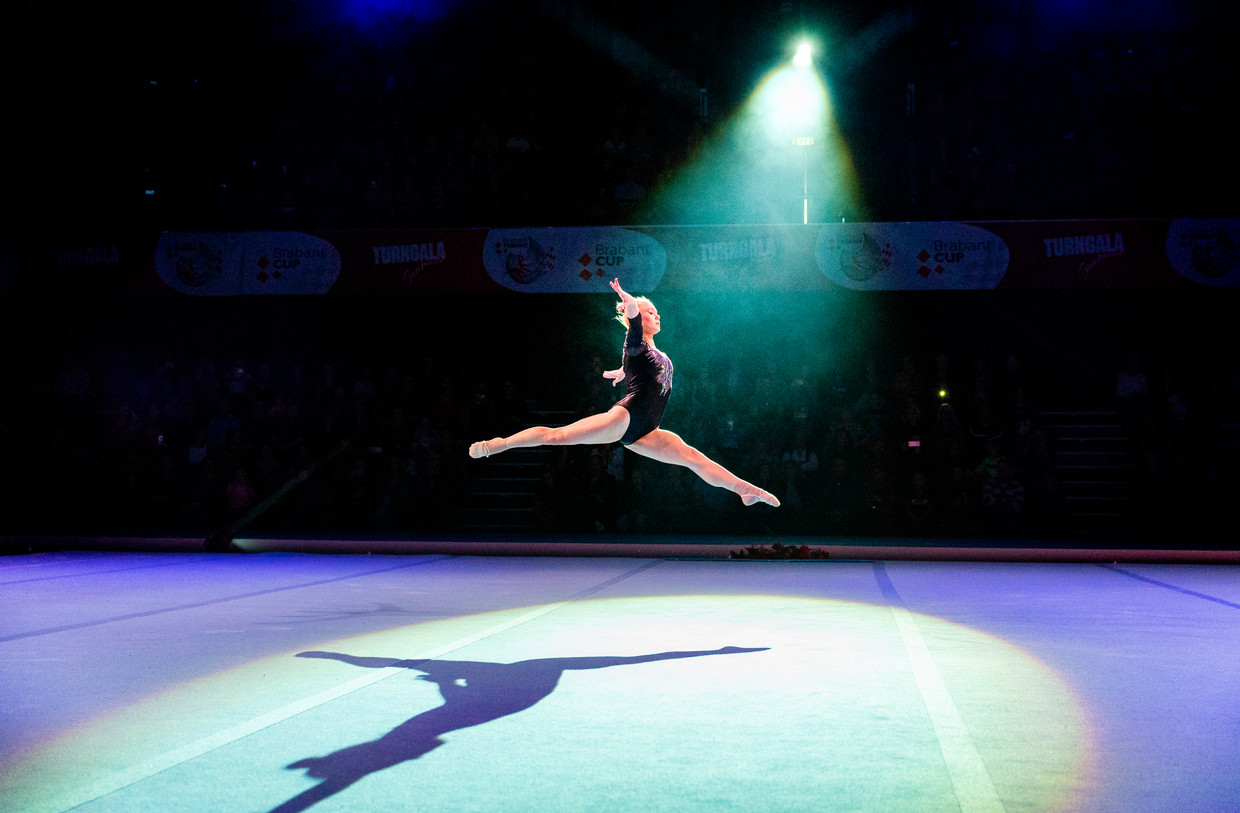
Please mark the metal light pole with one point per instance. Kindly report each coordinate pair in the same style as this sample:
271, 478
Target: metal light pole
805, 142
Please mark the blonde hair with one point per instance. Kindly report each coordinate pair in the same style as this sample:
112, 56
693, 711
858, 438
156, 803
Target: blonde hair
624, 320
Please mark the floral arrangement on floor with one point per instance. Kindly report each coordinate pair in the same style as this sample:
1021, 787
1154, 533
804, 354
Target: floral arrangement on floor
780, 551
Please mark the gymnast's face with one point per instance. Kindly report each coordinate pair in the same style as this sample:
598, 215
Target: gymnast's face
650, 318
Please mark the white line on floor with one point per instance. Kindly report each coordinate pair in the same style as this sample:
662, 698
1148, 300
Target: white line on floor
974, 789
144, 770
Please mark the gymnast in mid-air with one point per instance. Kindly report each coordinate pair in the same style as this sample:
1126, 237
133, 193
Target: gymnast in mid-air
634, 420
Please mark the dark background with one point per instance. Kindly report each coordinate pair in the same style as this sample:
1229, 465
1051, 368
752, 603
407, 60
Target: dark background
309, 116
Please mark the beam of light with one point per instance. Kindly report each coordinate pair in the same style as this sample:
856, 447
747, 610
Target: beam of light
836, 678
790, 103
603, 38
877, 36
779, 158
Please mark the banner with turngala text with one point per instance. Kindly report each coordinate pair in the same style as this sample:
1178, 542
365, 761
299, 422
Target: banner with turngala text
877, 257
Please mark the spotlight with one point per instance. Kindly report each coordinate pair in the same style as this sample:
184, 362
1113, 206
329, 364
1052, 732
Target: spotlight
804, 57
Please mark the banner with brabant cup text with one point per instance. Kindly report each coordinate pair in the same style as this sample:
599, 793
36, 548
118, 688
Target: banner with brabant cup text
948, 256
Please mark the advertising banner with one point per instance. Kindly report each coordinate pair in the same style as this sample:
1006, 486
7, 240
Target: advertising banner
397, 262
573, 260
1205, 251
946, 256
744, 258
911, 256
234, 264
1093, 254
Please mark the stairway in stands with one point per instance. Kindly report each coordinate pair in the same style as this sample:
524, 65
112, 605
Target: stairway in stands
1098, 472
504, 489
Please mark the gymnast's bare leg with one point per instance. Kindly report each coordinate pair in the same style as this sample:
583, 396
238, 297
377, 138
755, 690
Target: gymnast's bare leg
668, 447
606, 427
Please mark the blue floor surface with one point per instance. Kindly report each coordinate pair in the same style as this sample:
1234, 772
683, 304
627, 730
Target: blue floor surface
292, 681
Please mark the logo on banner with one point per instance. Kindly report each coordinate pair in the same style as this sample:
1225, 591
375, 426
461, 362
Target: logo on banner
417, 257
1097, 247
911, 256
860, 256
754, 248
525, 259
609, 259
940, 255
289, 263
200, 263
1205, 251
230, 264
867, 256
530, 260
194, 263
92, 255
281, 262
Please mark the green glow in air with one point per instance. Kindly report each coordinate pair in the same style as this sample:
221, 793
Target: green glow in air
778, 158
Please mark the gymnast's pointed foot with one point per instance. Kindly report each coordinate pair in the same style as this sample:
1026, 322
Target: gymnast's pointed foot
486, 448
756, 495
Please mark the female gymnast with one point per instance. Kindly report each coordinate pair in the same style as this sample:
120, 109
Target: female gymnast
634, 420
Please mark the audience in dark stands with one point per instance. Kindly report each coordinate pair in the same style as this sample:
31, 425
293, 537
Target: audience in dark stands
409, 131
180, 445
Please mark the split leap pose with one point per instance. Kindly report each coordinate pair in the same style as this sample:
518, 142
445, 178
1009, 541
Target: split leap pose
634, 420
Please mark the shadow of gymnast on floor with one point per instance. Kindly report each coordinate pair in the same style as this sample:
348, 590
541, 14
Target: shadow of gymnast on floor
474, 692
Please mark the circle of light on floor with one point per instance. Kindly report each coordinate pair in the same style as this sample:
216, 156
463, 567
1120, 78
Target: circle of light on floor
695, 702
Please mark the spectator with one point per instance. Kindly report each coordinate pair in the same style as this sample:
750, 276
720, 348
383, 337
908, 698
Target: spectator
222, 425
601, 502
920, 515
240, 494
1003, 501
803, 459
842, 496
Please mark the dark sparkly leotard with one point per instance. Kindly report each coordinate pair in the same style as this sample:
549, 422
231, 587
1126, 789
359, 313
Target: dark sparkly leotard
649, 375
